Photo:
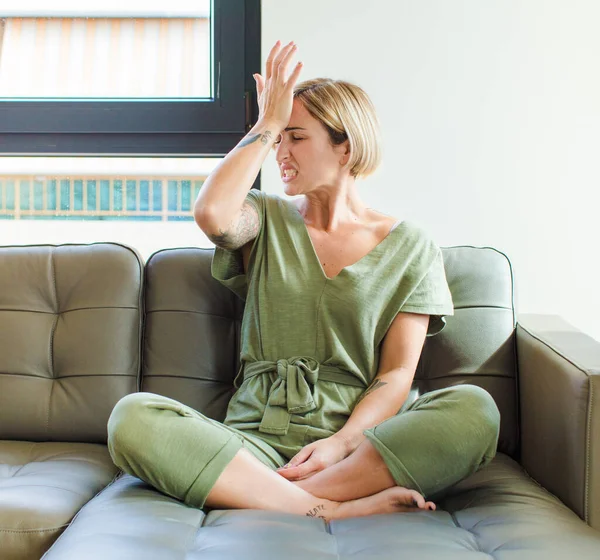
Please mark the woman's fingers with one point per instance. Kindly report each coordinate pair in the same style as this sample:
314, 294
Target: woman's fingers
285, 61
278, 63
275, 98
300, 457
420, 502
301, 465
301, 471
274, 51
294, 76
278, 59
260, 83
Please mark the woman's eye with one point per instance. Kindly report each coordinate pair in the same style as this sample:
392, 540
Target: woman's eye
294, 138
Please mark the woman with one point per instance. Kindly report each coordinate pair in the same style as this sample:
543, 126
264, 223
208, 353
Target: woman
339, 300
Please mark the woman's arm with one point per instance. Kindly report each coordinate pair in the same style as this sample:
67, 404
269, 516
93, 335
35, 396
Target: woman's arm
400, 353
220, 209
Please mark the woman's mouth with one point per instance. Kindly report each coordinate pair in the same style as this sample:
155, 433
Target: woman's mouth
289, 175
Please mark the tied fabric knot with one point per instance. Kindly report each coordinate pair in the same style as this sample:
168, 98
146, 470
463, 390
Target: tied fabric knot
290, 393
291, 389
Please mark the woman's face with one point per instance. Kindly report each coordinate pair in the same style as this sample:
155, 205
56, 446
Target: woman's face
305, 156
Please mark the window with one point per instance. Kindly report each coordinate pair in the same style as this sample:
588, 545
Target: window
149, 189
111, 118
142, 202
106, 79
153, 56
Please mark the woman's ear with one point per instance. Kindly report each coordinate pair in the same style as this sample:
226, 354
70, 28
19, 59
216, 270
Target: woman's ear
344, 148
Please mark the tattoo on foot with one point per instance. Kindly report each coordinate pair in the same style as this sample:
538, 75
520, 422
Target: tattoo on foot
251, 138
376, 384
314, 512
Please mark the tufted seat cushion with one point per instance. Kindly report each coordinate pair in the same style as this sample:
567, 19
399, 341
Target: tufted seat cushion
497, 513
42, 486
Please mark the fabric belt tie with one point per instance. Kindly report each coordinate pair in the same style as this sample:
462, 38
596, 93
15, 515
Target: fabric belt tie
291, 392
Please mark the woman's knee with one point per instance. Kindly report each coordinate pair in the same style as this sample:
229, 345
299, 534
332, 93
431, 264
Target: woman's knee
480, 407
127, 423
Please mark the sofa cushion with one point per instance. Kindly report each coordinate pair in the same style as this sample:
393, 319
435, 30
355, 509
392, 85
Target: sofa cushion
497, 513
478, 344
191, 339
42, 486
70, 337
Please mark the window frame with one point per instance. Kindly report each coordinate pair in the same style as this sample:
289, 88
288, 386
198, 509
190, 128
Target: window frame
206, 127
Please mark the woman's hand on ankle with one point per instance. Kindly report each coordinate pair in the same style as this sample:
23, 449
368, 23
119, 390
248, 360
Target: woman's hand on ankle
315, 457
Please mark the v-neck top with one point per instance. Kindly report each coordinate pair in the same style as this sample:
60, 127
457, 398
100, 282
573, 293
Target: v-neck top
293, 309
375, 249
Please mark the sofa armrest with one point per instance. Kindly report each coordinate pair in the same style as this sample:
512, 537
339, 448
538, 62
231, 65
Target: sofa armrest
559, 391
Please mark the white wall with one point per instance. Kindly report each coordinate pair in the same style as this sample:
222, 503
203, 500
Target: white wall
490, 111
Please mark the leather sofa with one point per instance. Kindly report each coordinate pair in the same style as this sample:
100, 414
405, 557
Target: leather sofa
83, 325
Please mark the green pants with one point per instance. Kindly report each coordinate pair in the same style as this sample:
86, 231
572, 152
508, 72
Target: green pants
431, 444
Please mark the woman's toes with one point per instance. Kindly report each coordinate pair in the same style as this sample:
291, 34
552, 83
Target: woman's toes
392, 500
409, 500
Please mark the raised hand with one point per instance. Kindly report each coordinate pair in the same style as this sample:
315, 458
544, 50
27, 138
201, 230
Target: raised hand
275, 92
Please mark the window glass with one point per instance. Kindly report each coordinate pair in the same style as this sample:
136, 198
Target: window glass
143, 202
70, 49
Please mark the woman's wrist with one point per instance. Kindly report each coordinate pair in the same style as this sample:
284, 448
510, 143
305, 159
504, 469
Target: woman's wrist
350, 441
267, 124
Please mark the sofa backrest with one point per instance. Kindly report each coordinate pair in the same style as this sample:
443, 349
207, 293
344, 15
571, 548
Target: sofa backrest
70, 338
191, 348
192, 329
477, 346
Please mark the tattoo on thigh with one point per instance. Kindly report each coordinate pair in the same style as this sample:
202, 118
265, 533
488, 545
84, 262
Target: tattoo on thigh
314, 512
376, 384
251, 138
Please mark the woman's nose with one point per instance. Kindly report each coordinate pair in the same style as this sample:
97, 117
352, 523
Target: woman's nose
282, 153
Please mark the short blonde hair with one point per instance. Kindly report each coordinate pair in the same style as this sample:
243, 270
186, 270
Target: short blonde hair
346, 112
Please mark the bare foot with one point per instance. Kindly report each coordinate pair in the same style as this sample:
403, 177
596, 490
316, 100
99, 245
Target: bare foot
392, 500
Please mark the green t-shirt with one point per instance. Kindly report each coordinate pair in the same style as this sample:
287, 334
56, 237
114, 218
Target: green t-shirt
294, 310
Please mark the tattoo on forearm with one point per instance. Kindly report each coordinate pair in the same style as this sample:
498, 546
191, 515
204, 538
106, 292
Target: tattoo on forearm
314, 512
243, 231
376, 384
251, 138
266, 137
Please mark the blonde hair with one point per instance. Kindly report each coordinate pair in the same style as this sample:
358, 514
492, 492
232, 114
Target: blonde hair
346, 112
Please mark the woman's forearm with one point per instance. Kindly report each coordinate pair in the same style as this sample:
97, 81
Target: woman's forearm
380, 401
225, 189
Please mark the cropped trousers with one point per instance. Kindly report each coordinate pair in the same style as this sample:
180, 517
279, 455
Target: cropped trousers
431, 444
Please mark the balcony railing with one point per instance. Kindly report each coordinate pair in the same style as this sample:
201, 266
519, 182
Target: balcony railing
94, 198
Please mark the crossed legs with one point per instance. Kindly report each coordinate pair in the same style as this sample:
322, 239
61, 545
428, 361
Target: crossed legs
248, 483
197, 460
445, 436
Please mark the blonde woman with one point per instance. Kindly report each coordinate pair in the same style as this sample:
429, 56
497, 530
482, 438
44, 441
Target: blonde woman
339, 300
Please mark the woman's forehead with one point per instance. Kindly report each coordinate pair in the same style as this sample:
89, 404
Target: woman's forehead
301, 118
